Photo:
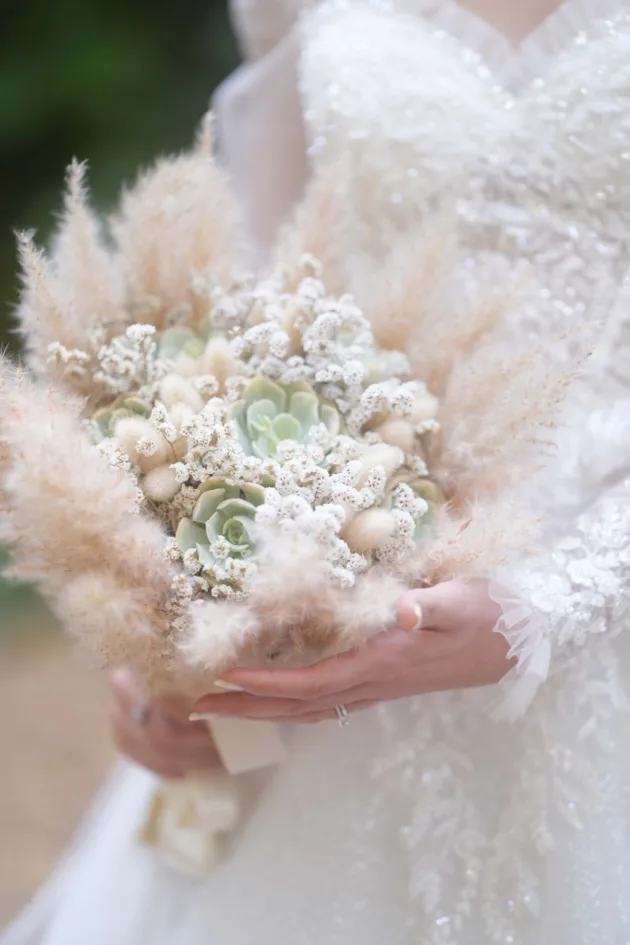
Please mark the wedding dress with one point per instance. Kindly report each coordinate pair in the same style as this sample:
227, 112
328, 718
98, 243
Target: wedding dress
468, 817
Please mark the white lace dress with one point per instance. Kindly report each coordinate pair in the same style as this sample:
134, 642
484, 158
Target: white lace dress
432, 821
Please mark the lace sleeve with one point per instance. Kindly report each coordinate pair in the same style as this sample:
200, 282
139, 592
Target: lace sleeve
579, 587
567, 596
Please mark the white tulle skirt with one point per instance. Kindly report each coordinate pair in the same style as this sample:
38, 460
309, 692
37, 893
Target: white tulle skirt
420, 824
286, 877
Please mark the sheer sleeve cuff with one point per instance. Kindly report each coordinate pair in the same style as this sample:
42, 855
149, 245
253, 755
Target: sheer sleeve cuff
527, 633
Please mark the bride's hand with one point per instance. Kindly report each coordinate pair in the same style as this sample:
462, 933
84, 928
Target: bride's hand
444, 640
156, 733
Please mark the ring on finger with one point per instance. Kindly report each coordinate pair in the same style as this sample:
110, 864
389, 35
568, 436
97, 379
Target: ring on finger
343, 717
141, 712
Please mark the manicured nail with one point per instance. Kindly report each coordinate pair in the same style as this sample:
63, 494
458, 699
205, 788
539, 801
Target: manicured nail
197, 717
417, 609
221, 684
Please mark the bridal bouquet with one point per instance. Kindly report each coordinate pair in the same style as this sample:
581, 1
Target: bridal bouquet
202, 468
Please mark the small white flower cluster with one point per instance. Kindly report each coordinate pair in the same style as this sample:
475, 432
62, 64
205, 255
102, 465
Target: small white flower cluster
72, 361
186, 589
213, 447
161, 421
128, 362
228, 310
118, 460
115, 458
334, 336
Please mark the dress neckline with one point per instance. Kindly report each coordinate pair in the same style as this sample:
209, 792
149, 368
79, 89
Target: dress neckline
515, 66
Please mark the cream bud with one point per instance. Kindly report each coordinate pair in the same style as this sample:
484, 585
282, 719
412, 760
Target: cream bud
131, 431
424, 408
219, 361
177, 390
185, 366
180, 448
369, 530
161, 484
397, 432
179, 414
381, 454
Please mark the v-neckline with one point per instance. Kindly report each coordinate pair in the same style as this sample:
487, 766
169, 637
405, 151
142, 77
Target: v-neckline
514, 43
515, 66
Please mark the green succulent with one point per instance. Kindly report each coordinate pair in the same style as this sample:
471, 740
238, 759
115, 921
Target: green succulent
270, 413
124, 406
176, 341
223, 511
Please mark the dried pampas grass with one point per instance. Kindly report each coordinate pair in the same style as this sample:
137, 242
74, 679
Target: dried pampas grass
472, 543
317, 230
497, 416
73, 294
74, 527
177, 220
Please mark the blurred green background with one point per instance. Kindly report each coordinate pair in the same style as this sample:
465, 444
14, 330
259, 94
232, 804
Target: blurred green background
113, 82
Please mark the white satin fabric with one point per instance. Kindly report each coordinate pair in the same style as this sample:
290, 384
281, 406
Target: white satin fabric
434, 821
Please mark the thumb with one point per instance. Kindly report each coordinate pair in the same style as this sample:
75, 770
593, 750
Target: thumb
437, 608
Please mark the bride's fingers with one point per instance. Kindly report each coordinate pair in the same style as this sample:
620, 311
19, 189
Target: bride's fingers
447, 607
168, 759
244, 706
127, 690
313, 682
442, 607
247, 706
164, 731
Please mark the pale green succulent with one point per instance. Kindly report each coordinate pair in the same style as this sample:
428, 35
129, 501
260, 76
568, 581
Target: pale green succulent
224, 513
124, 406
176, 341
270, 413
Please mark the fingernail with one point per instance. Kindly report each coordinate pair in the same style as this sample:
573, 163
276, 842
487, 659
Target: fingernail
198, 717
221, 684
417, 609
123, 676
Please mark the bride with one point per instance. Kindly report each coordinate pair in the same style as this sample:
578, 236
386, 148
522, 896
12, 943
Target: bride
447, 813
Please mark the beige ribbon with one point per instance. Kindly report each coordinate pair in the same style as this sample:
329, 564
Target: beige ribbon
188, 821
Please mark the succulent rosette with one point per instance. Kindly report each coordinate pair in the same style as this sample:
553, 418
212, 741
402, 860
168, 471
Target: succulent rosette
270, 413
221, 526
